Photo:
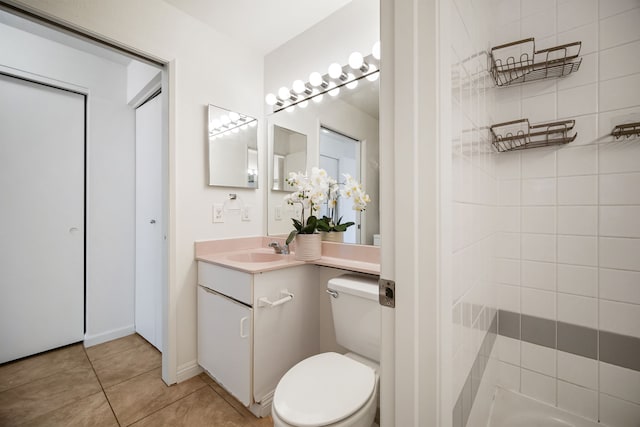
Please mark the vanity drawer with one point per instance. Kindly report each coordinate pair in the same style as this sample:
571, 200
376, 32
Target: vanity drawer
226, 281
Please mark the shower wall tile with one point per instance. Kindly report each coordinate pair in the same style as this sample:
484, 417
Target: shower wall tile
538, 358
620, 285
620, 253
578, 190
578, 310
538, 386
621, 318
620, 189
577, 231
580, 250
577, 280
509, 376
619, 29
620, 382
621, 156
578, 220
620, 221
578, 160
578, 101
539, 275
578, 370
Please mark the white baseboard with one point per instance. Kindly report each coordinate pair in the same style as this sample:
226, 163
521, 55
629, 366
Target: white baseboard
91, 340
188, 370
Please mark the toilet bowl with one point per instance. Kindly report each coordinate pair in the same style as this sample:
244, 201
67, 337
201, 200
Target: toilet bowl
328, 389
331, 389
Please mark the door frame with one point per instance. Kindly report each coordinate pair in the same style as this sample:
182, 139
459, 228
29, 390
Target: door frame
416, 336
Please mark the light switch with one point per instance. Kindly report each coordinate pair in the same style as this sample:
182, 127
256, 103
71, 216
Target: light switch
244, 214
278, 214
218, 212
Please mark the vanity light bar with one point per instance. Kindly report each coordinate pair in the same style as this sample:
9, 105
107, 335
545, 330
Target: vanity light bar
337, 76
233, 127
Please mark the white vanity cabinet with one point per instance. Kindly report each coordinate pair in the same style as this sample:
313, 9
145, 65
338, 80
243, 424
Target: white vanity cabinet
247, 345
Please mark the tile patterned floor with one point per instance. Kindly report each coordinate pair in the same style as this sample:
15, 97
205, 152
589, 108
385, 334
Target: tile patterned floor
112, 384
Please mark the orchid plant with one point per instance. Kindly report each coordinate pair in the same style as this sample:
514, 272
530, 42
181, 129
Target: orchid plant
311, 191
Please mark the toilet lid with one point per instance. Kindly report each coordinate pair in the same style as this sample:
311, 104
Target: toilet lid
323, 389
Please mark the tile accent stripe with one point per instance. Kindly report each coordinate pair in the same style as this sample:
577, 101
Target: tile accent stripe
609, 347
621, 350
464, 403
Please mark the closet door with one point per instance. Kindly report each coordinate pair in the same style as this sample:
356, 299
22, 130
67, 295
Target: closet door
42, 144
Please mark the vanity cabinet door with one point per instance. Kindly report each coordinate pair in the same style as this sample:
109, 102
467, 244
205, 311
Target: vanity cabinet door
224, 342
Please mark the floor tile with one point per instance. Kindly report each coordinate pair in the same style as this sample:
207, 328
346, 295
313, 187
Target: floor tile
111, 348
138, 397
250, 419
29, 401
126, 365
201, 408
91, 411
23, 371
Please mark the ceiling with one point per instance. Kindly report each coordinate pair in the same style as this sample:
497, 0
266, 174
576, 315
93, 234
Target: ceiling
261, 24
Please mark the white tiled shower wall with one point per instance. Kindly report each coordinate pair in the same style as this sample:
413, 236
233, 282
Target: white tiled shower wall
568, 244
474, 193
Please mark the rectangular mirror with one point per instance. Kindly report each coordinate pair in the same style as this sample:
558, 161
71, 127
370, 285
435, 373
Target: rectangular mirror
341, 134
233, 149
289, 155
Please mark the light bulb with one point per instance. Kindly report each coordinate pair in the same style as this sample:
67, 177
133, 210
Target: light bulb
333, 89
234, 116
225, 119
335, 71
290, 109
318, 96
283, 93
235, 130
303, 104
353, 82
316, 79
376, 50
270, 99
298, 86
215, 123
356, 60
374, 74
253, 123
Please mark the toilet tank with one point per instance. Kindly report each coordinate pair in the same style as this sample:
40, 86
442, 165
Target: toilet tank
356, 314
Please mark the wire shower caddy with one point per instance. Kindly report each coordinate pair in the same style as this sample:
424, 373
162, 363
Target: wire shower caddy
531, 64
520, 134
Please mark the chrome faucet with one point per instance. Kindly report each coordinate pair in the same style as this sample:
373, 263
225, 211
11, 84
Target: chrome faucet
284, 250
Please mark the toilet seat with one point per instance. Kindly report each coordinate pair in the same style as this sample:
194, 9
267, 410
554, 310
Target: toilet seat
323, 390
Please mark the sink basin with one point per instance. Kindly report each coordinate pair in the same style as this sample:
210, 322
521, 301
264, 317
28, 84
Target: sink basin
256, 257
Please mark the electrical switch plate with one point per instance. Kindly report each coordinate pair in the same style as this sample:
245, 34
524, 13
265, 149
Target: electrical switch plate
278, 213
218, 213
244, 214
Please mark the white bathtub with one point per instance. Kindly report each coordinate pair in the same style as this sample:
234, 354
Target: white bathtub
511, 409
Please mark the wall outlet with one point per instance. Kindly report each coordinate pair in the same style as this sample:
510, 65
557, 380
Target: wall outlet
218, 212
278, 214
244, 214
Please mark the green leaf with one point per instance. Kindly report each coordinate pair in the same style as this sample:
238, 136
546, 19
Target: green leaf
292, 236
297, 224
311, 226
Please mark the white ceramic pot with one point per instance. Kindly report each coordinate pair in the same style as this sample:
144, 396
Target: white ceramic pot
308, 247
332, 236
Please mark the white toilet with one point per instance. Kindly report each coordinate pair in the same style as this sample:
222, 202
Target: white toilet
331, 389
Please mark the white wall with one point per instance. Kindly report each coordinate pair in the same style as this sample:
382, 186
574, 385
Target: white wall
110, 194
139, 77
209, 68
474, 195
355, 27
